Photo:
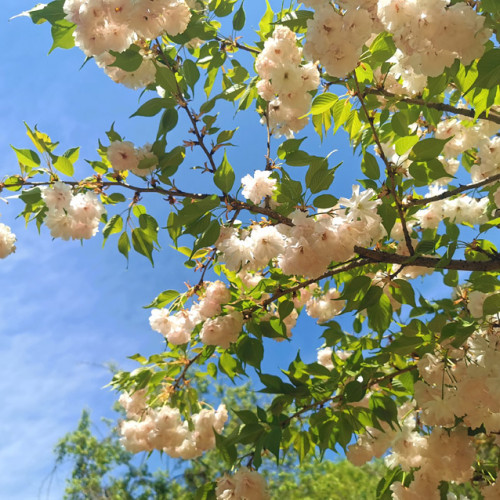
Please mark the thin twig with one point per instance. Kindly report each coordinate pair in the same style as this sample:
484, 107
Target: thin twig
233, 43
389, 168
471, 113
182, 376
234, 203
331, 399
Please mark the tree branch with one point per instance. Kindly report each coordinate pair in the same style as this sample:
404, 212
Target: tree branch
340, 268
492, 117
234, 203
453, 192
429, 262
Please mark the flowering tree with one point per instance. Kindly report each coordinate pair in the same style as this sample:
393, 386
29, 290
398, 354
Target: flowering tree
415, 86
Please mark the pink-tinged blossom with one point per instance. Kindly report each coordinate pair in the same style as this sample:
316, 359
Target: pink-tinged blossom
57, 197
243, 485
325, 358
223, 330
326, 306
72, 216
258, 186
7, 241
122, 155
163, 429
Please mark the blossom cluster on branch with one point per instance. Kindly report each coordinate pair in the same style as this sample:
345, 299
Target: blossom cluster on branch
415, 88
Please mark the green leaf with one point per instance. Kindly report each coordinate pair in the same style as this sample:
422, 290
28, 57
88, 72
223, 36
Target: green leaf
31, 196
492, 304
152, 107
427, 149
165, 78
129, 60
382, 48
250, 351
319, 177
380, 315
488, 69
209, 236
369, 166
325, 201
149, 225
27, 157
272, 441
239, 18
114, 225
225, 135
265, 24
285, 308
163, 299
168, 122
228, 365
354, 392
322, 103
142, 243
406, 291
62, 35
399, 124
388, 214
52, 12
341, 111
191, 72
63, 165
224, 176
124, 244
404, 144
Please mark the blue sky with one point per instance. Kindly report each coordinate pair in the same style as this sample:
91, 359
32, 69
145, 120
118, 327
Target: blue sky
67, 309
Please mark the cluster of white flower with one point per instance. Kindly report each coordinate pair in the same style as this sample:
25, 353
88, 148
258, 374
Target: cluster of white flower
285, 83
123, 155
429, 34
440, 456
220, 331
143, 76
163, 429
432, 34
464, 134
402, 78
243, 485
7, 241
461, 210
71, 216
258, 186
308, 246
464, 385
114, 25
336, 39
105, 25
489, 160
461, 384
325, 306
375, 442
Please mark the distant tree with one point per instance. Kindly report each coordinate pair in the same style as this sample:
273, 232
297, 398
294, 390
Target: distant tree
101, 468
